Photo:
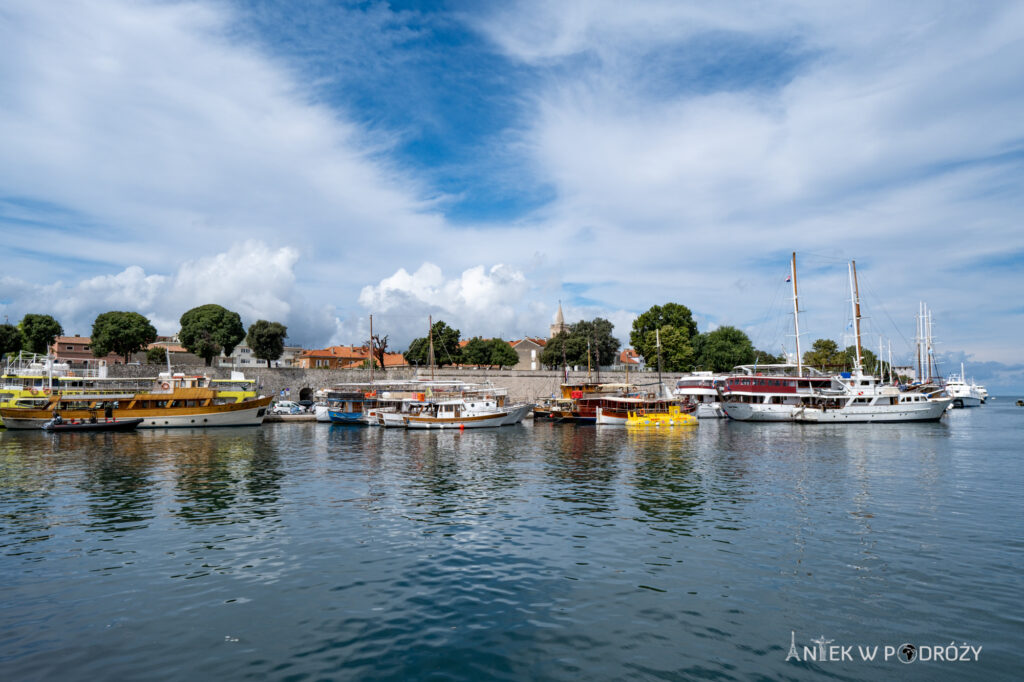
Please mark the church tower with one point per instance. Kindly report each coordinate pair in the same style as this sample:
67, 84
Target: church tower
559, 325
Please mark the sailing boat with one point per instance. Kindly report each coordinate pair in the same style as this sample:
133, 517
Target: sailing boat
857, 397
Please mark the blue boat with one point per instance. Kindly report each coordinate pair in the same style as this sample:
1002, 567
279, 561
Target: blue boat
350, 407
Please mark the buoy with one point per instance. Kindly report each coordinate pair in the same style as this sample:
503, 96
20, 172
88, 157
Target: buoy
462, 427
165, 385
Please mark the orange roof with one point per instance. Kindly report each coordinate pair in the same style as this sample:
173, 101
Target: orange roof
72, 339
629, 357
540, 342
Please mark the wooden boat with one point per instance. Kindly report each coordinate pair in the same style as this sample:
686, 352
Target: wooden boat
177, 407
99, 425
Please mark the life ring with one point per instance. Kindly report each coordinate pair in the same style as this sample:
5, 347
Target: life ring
165, 385
33, 391
46, 391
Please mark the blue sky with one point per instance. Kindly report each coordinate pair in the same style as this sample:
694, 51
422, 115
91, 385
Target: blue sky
318, 162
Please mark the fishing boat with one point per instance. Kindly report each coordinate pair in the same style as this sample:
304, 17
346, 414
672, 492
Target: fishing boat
164, 408
92, 426
473, 413
673, 416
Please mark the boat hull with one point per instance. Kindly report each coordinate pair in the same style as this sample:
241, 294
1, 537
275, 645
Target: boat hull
755, 412
250, 413
99, 426
476, 422
931, 410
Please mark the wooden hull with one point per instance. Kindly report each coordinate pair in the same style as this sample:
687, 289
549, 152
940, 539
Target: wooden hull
477, 422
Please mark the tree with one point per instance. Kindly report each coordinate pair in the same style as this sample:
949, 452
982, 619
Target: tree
38, 332
725, 348
446, 347
209, 329
649, 325
763, 357
477, 351
379, 349
156, 355
824, 353
594, 336
502, 354
266, 339
121, 332
10, 339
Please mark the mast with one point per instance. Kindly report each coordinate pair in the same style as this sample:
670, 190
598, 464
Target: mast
588, 358
430, 353
657, 338
854, 291
372, 361
796, 319
597, 356
890, 364
917, 339
928, 332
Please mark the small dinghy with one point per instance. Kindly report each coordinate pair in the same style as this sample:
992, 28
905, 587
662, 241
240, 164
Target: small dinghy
99, 425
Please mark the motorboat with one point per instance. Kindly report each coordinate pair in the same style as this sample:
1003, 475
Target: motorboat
61, 426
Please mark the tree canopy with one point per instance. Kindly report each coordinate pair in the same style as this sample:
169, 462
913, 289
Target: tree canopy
121, 332
446, 347
156, 355
723, 349
603, 347
38, 332
824, 353
209, 329
10, 339
266, 339
675, 325
497, 352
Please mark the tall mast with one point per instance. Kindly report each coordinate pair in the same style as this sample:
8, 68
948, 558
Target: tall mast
919, 339
430, 354
881, 370
372, 361
796, 319
854, 291
928, 332
890, 364
597, 356
588, 358
657, 337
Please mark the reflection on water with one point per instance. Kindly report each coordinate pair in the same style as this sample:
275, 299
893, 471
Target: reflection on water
538, 551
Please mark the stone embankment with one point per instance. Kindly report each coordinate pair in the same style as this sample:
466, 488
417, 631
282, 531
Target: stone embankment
522, 385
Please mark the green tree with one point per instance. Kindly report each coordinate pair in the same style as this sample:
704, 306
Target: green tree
121, 332
593, 336
477, 351
724, 348
656, 321
502, 354
446, 347
156, 355
824, 353
38, 332
209, 329
10, 339
763, 357
266, 339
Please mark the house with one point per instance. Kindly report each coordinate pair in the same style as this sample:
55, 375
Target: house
344, 357
528, 349
75, 351
630, 358
242, 356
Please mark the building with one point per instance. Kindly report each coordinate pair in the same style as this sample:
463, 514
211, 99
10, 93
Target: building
559, 325
344, 357
529, 349
630, 358
242, 356
75, 351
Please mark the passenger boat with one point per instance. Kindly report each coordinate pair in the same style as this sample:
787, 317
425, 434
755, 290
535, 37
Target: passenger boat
698, 388
91, 426
660, 417
164, 408
460, 413
769, 393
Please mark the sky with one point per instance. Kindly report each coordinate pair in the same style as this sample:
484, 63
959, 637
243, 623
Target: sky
315, 163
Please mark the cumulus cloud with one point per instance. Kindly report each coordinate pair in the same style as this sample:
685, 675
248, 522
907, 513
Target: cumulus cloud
252, 279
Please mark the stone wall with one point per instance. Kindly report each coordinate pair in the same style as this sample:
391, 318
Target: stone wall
523, 385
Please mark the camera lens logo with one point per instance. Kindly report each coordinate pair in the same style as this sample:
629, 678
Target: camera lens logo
907, 653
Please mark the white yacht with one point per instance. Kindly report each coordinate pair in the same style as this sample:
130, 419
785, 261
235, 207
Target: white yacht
698, 388
964, 394
856, 398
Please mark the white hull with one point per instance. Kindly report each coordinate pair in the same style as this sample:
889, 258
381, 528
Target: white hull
604, 419
710, 411
416, 422
252, 416
755, 412
516, 413
966, 401
931, 410
322, 413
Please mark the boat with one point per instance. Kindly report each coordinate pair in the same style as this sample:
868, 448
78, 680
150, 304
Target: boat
768, 393
672, 416
460, 413
964, 394
164, 408
92, 426
698, 389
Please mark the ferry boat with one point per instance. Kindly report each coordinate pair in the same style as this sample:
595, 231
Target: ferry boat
769, 393
163, 408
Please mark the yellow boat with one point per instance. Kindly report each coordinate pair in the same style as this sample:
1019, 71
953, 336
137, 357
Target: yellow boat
674, 417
